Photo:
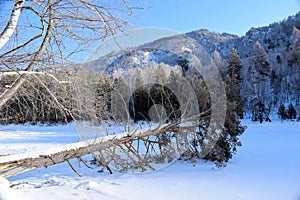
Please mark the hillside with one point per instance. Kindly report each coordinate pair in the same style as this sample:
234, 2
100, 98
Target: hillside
279, 40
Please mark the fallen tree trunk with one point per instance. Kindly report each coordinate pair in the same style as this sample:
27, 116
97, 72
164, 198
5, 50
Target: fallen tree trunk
15, 164
12, 165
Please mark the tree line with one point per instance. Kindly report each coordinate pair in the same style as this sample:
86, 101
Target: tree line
88, 97
266, 88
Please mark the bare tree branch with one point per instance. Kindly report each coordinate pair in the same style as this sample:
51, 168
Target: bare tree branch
12, 23
8, 93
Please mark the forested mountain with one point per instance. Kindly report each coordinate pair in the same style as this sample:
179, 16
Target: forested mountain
270, 72
280, 41
270, 57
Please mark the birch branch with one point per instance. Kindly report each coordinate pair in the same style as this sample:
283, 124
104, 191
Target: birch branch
12, 23
10, 92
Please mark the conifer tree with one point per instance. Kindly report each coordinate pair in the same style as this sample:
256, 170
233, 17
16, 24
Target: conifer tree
275, 86
291, 112
281, 112
174, 81
234, 82
139, 82
174, 78
219, 63
201, 92
260, 80
119, 110
294, 62
161, 77
103, 101
226, 145
260, 61
296, 47
137, 106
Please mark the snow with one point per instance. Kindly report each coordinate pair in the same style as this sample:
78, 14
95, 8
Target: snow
89, 135
5, 191
265, 167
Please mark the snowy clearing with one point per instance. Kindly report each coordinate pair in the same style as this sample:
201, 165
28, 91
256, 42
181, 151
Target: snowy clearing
266, 167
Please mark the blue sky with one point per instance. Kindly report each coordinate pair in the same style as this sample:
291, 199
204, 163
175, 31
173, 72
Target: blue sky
232, 16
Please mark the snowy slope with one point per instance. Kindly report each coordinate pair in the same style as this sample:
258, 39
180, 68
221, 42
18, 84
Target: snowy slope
266, 167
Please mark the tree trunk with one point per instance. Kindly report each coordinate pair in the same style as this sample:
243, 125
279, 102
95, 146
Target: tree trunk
12, 23
17, 164
10, 92
11, 165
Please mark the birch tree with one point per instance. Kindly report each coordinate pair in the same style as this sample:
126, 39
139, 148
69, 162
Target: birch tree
52, 35
12, 23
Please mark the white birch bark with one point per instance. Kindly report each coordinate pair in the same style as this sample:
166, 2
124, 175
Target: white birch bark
9, 92
12, 22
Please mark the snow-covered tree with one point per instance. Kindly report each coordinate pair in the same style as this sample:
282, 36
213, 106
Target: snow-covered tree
219, 62
294, 65
259, 79
161, 77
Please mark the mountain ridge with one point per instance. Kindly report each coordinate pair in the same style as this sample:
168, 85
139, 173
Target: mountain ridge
278, 40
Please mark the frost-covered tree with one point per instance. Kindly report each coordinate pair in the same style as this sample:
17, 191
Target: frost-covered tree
161, 77
294, 54
294, 66
219, 62
259, 79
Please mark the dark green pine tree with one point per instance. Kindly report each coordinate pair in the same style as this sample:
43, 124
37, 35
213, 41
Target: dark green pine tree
281, 112
234, 82
291, 112
226, 145
235, 105
103, 100
139, 100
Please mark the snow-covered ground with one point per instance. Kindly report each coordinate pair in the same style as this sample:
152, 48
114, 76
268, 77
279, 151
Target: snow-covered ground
267, 167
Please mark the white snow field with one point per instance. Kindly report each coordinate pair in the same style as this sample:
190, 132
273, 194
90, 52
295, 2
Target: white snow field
266, 167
